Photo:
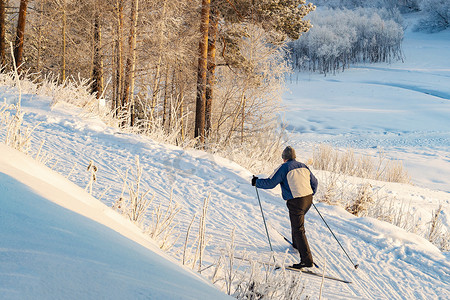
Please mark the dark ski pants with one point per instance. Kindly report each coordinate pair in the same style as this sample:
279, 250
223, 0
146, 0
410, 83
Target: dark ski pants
298, 207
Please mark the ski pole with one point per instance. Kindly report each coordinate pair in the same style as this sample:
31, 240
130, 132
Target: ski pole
355, 266
264, 219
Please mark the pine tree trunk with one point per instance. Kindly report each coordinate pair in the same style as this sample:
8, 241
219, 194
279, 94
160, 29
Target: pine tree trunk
133, 61
199, 131
157, 78
119, 54
165, 102
211, 66
97, 69
20, 32
128, 88
63, 34
171, 105
114, 104
180, 102
39, 43
2, 33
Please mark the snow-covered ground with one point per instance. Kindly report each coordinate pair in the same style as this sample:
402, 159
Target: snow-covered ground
402, 108
58, 242
45, 247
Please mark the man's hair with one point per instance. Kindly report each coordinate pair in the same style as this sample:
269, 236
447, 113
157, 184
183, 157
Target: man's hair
288, 153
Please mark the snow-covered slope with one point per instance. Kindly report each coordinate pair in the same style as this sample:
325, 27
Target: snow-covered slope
57, 242
394, 264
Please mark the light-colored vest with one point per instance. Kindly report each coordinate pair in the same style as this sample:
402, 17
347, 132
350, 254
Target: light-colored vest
299, 181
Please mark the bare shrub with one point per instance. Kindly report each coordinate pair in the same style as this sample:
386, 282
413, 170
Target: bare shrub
17, 136
92, 169
328, 159
437, 233
253, 279
41, 157
261, 154
362, 201
330, 190
162, 225
195, 252
136, 204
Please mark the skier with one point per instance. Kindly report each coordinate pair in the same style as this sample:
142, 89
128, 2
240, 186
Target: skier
298, 185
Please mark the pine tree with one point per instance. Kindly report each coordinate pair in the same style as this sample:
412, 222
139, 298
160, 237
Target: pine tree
20, 32
2, 33
199, 131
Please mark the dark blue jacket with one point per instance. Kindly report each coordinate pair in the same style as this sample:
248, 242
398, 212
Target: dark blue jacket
295, 179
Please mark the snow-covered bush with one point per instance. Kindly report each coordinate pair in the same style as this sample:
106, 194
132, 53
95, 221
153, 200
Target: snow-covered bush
16, 136
340, 37
246, 278
437, 15
347, 163
402, 5
364, 199
134, 203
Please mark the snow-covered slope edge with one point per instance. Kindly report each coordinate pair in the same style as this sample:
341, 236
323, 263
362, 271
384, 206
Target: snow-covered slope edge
393, 263
58, 242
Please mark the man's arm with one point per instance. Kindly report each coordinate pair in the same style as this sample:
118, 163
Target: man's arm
271, 182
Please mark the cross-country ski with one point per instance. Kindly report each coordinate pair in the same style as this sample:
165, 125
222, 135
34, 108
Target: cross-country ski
317, 274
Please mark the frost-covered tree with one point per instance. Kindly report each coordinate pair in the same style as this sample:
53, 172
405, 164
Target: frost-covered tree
249, 98
281, 19
401, 5
2, 33
437, 15
341, 37
143, 57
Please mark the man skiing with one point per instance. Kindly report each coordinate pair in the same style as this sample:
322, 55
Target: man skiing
298, 185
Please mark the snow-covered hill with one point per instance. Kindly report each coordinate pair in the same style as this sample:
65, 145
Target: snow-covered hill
58, 242
394, 264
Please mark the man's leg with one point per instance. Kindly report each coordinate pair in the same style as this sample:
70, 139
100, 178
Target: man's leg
298, 207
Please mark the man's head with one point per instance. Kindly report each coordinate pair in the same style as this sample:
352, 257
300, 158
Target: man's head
288, 153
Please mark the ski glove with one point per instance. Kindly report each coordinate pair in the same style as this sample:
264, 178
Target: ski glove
254, 180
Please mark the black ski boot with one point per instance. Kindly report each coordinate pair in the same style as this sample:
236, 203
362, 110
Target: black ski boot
302, 265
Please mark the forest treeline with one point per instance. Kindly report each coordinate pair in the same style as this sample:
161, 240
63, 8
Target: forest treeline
203, 70
352, 31
341, 37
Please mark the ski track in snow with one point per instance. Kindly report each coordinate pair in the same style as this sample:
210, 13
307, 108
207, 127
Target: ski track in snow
390, 268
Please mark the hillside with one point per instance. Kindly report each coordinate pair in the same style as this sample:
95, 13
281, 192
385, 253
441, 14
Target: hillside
393, 263
60, 243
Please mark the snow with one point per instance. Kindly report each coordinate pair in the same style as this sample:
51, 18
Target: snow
59, 242
401, 108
